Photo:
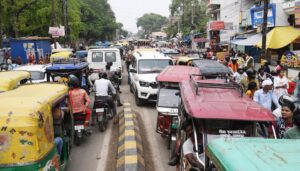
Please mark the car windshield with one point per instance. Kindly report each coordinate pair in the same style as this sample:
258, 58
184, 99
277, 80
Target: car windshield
110, 57
35, 75
153, 65
97, 57
168, 98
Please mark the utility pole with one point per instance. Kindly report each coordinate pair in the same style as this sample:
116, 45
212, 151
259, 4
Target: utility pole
264, 30
193, 12
53, 21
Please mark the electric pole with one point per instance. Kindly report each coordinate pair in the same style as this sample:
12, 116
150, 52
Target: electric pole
53, 21
264, 30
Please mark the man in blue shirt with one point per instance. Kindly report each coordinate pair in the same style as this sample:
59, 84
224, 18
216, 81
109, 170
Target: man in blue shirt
265, 96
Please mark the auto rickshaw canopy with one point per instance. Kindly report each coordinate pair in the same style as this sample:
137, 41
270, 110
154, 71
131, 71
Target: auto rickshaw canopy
11, 79
254, 154
176, 73
26, 123
210, 67
216, 99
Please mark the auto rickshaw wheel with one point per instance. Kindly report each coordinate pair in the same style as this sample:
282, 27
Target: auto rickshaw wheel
78, 140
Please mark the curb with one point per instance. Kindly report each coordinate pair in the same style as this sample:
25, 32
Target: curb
130, 148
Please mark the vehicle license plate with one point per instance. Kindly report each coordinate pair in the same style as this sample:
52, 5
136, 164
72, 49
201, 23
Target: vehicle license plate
100, 110
79, 127
174, 111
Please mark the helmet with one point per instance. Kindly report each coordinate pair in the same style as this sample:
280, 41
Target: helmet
73, 82
288, 100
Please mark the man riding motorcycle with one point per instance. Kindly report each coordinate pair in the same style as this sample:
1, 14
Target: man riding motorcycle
102, 88
79, 99
113, 76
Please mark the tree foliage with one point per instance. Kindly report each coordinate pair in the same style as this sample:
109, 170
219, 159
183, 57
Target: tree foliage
151, 23
185, 9
89, 20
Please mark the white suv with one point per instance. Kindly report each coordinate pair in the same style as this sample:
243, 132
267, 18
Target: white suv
142, 73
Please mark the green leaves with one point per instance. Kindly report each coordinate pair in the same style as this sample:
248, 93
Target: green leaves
90, 20
151, 23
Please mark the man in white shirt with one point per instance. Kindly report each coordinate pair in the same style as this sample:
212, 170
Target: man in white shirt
102, 88
281, 84
265, 96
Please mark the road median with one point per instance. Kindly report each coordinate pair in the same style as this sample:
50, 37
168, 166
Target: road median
130, 146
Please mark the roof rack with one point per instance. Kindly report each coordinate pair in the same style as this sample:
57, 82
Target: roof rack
66, 61
228, 83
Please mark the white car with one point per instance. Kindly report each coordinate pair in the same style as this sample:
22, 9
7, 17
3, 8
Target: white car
37, 72
142, 73
98, 58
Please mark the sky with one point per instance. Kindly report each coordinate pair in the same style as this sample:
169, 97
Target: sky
127, 11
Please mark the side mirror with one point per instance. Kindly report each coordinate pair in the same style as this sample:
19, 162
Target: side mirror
132, 70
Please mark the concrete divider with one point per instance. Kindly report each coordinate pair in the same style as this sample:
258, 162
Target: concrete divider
130, 148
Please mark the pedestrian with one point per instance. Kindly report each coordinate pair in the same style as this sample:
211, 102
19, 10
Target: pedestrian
278, 67
250, 78
266, 67
285, 120
249, 64
252, 87
297, 89
129, 58
239, 75
265, 96
261, 76
294, 132
233, 65
281, 84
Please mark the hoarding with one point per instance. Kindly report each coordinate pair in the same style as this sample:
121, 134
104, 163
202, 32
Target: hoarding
257, 16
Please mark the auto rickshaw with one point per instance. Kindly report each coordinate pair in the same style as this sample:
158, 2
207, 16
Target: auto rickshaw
59, 70
169, 100
11, 79
35, 128
209, 68
185, 60
217, 109
253, 154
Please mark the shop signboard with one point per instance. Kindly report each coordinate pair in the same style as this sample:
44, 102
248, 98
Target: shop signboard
257, 16
57, 31
291, 59
216, 25
297, 13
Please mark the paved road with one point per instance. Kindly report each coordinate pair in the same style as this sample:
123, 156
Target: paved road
148, 113
89, 155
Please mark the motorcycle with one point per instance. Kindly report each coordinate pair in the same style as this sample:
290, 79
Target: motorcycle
80, 128
102, 111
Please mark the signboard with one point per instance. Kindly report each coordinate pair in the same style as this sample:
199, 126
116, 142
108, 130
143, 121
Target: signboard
216, 25
257, 16
57, 31
297, 13
291, 59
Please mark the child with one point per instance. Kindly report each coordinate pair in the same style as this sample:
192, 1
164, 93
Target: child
252, 87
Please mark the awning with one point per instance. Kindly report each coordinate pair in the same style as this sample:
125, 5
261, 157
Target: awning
280, 37
249, 41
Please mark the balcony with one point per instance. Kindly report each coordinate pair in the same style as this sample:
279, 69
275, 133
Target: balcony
288, 6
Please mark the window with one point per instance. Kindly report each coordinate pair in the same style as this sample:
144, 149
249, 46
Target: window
97, 57
168, 98
153, 65
110, 57
37, 75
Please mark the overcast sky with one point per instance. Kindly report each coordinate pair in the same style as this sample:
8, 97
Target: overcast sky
127, 11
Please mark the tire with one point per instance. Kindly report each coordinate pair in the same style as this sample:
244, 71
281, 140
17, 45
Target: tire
78, 140
138, 101
130, 88
172, 151
102, 124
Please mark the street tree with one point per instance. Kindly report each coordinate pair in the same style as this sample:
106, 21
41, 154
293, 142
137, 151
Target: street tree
151, 23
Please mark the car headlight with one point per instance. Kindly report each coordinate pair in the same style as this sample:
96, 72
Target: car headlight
144, 84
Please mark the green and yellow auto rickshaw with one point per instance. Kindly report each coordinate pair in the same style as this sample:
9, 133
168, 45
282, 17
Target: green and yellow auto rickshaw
253, 154
35, 128
11, 79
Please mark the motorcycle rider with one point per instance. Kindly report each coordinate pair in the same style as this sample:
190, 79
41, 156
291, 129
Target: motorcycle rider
114, 78
79, 99
102, 88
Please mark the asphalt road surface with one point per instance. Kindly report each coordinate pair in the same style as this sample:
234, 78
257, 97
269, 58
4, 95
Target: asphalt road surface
92, 154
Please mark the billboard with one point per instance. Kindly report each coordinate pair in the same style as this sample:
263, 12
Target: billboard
216, 25
257, 16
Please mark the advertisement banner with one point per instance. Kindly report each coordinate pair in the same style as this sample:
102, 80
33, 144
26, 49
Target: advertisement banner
216, 25
257, 16
291, 59
57, 31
